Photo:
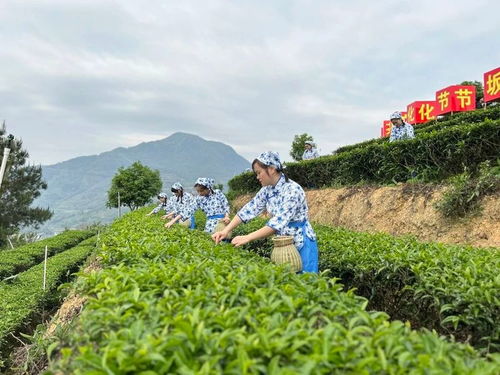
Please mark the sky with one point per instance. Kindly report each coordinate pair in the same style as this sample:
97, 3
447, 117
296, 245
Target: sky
81, 77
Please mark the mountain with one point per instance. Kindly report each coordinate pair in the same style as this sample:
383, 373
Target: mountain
77, 188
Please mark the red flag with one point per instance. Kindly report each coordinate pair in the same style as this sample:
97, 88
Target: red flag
492, 85
456, 98
421, 111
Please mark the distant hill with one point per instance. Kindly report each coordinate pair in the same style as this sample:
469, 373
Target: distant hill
77, 188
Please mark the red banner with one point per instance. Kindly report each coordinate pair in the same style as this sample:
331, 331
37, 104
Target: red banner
492, 85
385, 131
455, 98
421, 111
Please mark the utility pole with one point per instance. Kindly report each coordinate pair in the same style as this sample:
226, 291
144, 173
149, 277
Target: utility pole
6, 152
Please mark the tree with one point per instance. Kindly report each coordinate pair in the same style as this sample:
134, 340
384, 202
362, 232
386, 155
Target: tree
136, 184
298, 145
22, 184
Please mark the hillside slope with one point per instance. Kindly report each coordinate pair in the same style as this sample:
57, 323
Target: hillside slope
401, 210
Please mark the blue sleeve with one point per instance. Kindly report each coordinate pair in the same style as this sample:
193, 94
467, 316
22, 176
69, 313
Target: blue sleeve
158, 208
253, 208
188, 208
410, 132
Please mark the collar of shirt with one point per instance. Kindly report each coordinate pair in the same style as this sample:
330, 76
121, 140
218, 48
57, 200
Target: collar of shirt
273, 190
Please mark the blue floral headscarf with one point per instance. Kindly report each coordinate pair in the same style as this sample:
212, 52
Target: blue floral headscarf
396, 115
271, 159
177, 186
205, 181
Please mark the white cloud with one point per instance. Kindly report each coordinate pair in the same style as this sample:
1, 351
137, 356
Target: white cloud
248, 73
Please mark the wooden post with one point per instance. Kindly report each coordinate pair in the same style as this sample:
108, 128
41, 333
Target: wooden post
45, 268
119, 206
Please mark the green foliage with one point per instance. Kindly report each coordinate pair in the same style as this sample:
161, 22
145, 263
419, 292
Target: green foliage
433, 156
467, 189
452, 289
21, 298
200, 219
136, 185
21, 184
243, 183
298, 144
21, 258
173, 302
457, 119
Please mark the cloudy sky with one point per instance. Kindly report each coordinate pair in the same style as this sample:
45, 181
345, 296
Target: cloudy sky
79, 77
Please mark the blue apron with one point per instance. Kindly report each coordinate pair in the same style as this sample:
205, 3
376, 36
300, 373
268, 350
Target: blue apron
309, 251
193, 225
219, 216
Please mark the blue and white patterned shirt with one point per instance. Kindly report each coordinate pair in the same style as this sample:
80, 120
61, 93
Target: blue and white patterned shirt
185, 206
161, 206
310, 154
213, 204
286, 202
405, 131
170, 205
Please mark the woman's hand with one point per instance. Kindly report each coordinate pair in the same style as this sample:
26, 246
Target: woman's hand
219, 236
169, 224
240, 240
226, 220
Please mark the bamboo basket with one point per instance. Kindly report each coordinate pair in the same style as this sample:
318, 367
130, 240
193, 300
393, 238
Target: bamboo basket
220, 226
185, 223
284, 251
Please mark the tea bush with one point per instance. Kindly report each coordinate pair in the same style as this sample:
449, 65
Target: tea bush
452, 289
20, 259
432, 156
173, 302
21, 298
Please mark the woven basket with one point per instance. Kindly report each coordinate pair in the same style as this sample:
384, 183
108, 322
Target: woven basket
284, 251
185, 223
220, 227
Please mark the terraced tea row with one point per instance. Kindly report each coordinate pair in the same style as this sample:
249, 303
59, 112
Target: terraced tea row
173, 302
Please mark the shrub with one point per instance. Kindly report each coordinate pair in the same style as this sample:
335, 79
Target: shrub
467, 189
174, 302
448, 288
21, 258
433, 156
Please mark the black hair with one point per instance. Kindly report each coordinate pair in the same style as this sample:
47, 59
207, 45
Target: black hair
176, 191
266, 167
204, 187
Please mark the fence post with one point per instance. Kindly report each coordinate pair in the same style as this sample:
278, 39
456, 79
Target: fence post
45, 268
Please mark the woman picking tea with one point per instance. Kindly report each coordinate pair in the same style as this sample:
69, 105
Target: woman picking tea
183, 207
285, 200
212, 202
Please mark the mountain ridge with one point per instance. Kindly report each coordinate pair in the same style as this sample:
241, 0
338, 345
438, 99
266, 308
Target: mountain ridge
77, 188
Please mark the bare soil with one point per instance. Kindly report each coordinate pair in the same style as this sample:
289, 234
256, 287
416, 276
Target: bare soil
401, 210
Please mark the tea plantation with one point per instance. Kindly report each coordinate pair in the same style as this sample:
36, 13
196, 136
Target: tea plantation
174, 302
